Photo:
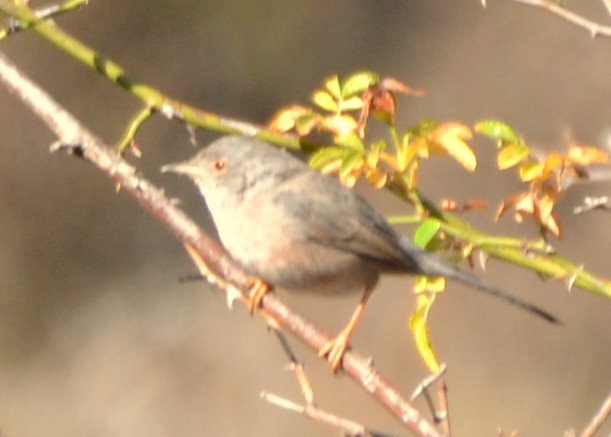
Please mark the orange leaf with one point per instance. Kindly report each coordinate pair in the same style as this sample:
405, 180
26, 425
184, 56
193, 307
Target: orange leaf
587, 155
396, 86
508, 203
376, 177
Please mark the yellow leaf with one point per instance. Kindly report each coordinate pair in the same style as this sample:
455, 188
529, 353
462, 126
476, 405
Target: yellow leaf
526, 204
417, 324
307, 123
406, 153
332, 85
331, 167
341, 124
325, 101
511, 154
583, 155
376, 177
352, 104
350, 179
530, 170
425, 283
413, 176
285, 119
544, 214
452, 136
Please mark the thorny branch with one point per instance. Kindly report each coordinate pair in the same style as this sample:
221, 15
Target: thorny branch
75, 139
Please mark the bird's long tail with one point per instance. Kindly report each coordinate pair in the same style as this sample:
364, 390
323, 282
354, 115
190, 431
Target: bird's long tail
431, 265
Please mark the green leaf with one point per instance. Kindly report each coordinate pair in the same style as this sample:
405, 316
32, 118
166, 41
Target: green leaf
358, 82
497, 130
373, 157
423, 128
350, 161
307, 122
352, 104
350, 141
426, 232
325, 101
325, 155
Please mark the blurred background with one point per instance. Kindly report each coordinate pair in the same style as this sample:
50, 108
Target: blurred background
97, 335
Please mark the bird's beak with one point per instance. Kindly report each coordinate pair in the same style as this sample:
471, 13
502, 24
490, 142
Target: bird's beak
183, 168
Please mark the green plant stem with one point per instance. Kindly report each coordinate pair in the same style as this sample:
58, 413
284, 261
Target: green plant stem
507, 249
533, 255
43, 13
151, 97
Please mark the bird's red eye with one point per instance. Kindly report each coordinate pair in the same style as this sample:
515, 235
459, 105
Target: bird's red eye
219, 166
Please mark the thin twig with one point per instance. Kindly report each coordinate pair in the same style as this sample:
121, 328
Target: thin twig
348, 427
78, 140
151, 97
45, 13
444, 407
440, 414
594, 28
598, 419
297, 367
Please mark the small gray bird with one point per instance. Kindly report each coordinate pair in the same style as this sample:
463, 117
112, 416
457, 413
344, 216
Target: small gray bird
297, 229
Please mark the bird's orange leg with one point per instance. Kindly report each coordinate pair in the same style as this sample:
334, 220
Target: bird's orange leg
335, 349
257, 291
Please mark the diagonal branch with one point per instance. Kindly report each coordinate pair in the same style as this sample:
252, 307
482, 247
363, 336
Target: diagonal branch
594, 28
155, 101
76, 139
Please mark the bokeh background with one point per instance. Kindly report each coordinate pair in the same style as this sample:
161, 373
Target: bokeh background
99, 338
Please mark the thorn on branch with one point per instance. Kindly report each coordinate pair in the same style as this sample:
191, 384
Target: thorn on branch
75, 149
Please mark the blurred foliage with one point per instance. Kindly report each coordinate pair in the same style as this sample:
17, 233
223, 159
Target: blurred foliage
342, 110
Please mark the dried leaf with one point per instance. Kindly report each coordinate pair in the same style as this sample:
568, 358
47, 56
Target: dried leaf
396, 86
448, 205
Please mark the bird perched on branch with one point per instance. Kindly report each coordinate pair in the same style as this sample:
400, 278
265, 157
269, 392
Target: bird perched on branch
297, 229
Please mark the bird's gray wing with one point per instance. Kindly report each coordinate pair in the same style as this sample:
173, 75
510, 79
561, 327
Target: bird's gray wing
338, 217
